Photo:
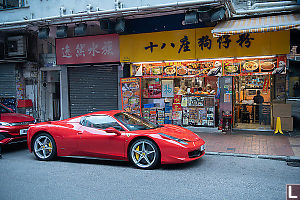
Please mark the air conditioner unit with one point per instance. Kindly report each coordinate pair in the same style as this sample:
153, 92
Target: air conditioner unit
16, 46
297, 58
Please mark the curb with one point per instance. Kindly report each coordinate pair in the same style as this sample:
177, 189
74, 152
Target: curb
270, 157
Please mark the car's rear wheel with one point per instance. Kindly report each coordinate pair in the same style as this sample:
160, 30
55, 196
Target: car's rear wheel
44, 147
144, 154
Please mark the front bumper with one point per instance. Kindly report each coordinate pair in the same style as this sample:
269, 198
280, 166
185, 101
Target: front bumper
11, 134
183, 153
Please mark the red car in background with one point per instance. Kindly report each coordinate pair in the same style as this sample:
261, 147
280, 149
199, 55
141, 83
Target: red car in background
13, 126
115, 135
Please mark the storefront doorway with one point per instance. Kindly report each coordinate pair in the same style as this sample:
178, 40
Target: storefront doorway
252, 102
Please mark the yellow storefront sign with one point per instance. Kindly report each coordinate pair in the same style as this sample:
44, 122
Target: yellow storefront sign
200, 44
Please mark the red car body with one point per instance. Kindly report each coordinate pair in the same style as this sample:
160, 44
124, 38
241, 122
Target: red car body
11, 125
74, 139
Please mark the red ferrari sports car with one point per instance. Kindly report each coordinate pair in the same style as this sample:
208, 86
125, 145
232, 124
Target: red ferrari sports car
115, 135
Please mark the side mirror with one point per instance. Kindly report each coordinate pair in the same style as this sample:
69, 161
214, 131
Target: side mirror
112, 130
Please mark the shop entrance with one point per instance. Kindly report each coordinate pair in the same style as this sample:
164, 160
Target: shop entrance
252, 102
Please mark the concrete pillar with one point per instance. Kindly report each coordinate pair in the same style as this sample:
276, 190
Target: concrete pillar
120, 75
50, 87
64, 93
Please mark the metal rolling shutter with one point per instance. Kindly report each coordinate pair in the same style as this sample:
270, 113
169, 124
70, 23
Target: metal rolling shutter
93, 88
7, 80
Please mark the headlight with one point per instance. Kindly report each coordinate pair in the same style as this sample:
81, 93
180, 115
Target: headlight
5, 124
202, 148
181, 141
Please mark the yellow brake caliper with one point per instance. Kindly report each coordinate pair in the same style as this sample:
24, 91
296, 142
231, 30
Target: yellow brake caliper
136, 154
50, 145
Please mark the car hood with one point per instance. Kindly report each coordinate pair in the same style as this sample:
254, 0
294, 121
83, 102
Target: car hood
176, 131
15, 117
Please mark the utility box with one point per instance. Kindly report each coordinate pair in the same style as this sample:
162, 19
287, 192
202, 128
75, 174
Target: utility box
286, 123
282, 110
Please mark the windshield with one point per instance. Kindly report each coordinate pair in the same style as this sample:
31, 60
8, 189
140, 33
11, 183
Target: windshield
134, 122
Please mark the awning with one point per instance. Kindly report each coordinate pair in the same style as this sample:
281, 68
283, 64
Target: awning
257, 25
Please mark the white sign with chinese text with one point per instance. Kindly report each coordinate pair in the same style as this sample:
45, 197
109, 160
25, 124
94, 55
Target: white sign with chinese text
167, 88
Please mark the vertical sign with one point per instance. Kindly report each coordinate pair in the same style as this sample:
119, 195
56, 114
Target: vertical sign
131, 95
266, 85
167, 88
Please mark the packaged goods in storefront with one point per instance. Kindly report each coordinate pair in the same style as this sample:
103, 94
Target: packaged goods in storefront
189, 93
146, 113
160, 115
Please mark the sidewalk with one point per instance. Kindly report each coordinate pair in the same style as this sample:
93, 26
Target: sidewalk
254, 143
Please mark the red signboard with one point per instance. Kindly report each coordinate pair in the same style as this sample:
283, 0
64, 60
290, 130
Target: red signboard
89, 49
266, 85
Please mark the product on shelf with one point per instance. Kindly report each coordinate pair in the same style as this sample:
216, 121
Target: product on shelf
193, 116
146, 113
185, 116
168, 113
153, 115
160, 115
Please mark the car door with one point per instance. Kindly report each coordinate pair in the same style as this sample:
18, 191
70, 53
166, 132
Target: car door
96, 142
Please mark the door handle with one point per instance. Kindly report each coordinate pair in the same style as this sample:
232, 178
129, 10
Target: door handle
79, 132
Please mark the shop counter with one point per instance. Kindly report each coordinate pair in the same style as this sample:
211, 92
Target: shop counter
254, 113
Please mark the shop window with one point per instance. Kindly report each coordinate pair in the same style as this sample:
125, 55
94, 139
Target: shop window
186, 101
8, 4
294, 87
126, 70
294, 79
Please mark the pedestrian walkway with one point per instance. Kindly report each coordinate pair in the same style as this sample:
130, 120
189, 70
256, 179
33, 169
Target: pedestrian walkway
247, 143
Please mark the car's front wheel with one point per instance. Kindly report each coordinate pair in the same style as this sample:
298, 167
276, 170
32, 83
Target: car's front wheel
44, 147
144, 154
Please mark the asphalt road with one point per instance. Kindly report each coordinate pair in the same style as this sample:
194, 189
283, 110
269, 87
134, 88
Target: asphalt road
211, 177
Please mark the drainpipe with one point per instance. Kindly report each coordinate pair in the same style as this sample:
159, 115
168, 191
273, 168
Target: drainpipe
280, 3
124, 11
268, 10
262, 10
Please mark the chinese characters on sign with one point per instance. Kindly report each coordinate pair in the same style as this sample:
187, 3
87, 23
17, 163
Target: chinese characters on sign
204, 42
224, 41
90, 49
167, 88
244, 39
199, 43
66, 52
184, 44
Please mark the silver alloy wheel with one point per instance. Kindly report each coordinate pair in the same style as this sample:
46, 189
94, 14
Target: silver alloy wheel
143, 154
43, 147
